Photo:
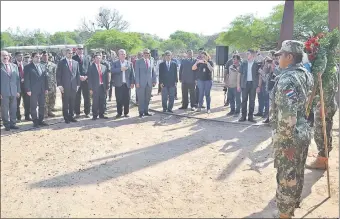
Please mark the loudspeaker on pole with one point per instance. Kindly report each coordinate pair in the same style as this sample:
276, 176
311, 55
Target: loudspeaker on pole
222, 54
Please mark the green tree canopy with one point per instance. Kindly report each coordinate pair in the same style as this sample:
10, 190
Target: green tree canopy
115, 40
190, 40
248, 31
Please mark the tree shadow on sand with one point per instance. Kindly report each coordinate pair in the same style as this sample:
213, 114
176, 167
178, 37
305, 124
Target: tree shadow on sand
117, 165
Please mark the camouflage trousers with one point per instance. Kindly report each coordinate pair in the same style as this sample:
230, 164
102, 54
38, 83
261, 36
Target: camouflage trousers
290, 178
330, 110
50, 101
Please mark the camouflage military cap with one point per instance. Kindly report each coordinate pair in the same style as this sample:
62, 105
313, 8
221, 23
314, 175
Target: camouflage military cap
27, 55
291, 46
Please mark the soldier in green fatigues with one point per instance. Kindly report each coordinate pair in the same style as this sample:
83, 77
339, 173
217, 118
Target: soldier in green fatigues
291, 132
52, 83
329, 94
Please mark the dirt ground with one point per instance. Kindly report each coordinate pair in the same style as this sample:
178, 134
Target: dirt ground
161, 166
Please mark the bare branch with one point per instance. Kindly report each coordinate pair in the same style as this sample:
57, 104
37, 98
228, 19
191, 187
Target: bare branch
87, 25
111, 19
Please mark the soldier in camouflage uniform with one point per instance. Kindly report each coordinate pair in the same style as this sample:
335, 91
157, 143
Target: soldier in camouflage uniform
329, 93
291, 132
52, 83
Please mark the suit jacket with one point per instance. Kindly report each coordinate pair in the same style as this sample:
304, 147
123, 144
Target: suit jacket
186, 74
93, 77
33, 81
145, 76
10, 83
168, 77
255, 74
69, 80
117, 74
83, 65
23, 66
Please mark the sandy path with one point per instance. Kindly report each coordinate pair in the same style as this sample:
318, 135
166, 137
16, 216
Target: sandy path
162, 166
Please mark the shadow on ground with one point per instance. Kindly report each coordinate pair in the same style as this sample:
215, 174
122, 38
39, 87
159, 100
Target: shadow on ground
122, 164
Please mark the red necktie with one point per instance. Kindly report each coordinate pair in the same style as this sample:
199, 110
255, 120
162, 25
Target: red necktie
147, 63
70, 65
100, 74
21, 71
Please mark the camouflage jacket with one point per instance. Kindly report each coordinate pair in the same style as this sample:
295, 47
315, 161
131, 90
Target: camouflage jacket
51, 70
288, 106
329, 89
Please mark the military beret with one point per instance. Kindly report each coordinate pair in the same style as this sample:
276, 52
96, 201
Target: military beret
291, 46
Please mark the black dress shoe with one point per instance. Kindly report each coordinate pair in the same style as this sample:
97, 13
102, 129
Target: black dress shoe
14, 127
73, 120
94, 118
67, 121
126, 116
242, 119
18, 120
148, 114
170, 111
103, 117
141, 115
230, 113
7, 129
118, 116
164, 111
87, 116
28, 119
251, 120
42, 123
183, 108
35, 125
258, 114
77, 116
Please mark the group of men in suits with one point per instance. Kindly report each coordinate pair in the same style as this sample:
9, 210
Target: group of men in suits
31, 80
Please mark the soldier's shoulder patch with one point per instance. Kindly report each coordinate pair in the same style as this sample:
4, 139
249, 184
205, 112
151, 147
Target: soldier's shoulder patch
290, 93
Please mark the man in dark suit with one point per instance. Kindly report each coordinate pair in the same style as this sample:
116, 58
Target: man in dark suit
168, 79
36, 86
68, 82
123, 78
9, 91
188, 77
248, 81
26, 99
145, 80
84, 86
106, 63
99, 85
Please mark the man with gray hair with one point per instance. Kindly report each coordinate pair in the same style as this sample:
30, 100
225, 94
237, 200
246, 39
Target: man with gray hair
145, 80
123, 79
9, 91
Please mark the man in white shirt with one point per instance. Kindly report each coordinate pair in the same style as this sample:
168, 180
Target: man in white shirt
250, 82
123, 78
